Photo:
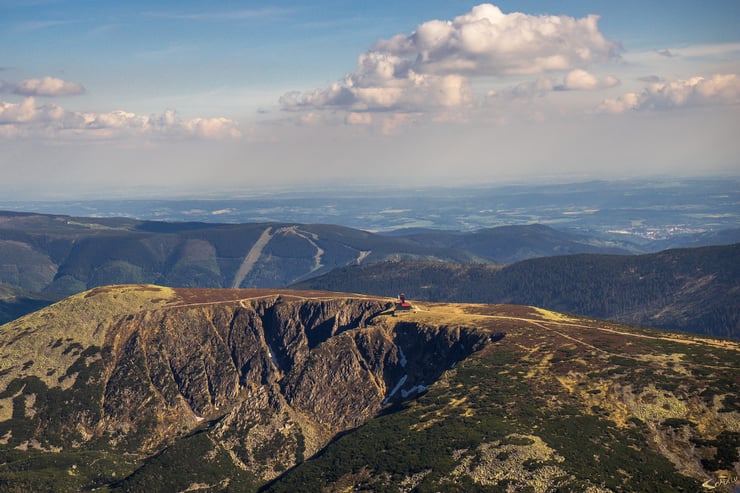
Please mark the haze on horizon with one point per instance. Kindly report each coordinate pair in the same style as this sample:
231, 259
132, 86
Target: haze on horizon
99, 99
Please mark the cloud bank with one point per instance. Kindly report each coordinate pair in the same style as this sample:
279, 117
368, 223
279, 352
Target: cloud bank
432, 67
28, 119
718, 89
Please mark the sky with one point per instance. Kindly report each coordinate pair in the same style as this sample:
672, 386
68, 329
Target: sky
133, 99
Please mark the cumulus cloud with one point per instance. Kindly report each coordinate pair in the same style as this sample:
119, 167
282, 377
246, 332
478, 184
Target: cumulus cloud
485, 41
432, 68
581, 80
27, 119
47, 86
719, 89
375, 86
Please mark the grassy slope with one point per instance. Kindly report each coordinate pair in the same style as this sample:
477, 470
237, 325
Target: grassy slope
558, 403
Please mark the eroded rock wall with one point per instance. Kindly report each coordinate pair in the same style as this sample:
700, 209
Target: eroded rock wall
271, 379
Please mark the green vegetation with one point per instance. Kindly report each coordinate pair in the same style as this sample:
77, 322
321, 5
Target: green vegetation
194, 459
726, 456
485, 402
54, 411
692, 290
61, 256
61, 472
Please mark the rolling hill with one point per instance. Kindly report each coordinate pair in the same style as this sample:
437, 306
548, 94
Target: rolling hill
147, 388
53, 256
508, 244
693, 290
45, 258
61, 255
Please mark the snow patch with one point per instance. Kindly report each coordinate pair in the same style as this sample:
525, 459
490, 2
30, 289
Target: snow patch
272, 357
396, 388
416, 389
363, 255
402, 357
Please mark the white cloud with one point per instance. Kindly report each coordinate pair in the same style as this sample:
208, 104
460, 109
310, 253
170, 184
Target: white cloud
431, 69
213, 128
581, 80
486, 41
48, 86
538, 87
719, 89
376, 87
27, 119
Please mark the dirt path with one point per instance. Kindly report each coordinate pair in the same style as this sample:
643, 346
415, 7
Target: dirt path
252, 257
551, 324
310, 238
243, 302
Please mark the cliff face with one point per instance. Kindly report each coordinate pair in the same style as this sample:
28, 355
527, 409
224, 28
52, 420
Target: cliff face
272, 376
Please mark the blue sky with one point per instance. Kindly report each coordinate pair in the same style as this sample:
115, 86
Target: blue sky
101, 98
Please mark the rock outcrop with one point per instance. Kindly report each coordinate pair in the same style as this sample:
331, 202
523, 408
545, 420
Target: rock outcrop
273, 376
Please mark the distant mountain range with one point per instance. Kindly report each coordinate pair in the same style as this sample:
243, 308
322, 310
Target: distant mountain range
693, 290
60, 255
507, 244
44, 258
142, 388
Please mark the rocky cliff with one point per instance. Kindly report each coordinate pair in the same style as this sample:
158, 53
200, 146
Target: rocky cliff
276, 374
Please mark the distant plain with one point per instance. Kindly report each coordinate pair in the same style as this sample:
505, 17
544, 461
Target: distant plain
639, 211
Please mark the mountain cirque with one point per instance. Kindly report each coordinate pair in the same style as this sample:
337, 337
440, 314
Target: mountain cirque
144, 388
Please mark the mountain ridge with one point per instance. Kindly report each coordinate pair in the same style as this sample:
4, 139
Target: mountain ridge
147, 388
48, 257
695, 290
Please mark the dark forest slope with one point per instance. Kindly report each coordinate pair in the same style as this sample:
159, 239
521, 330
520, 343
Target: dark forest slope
694, 290
507, 244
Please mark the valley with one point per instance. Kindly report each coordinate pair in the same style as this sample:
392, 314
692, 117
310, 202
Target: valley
649, 215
